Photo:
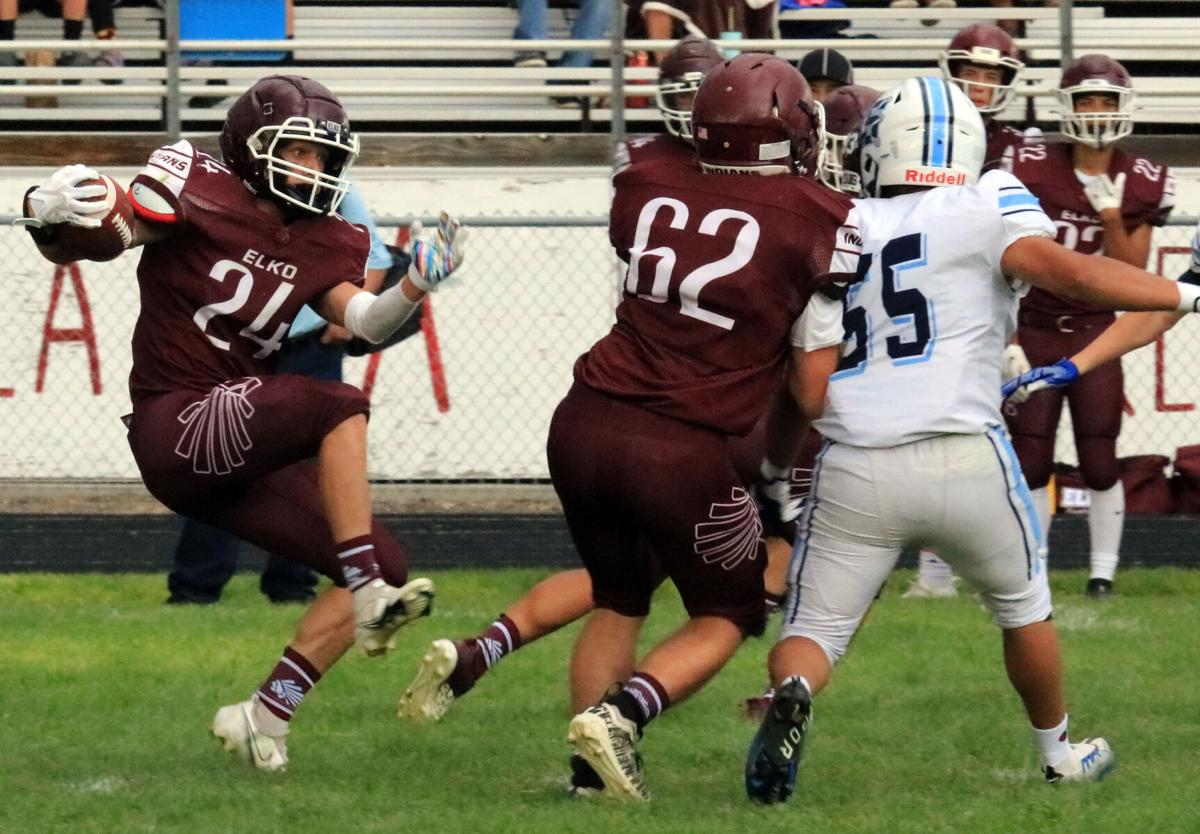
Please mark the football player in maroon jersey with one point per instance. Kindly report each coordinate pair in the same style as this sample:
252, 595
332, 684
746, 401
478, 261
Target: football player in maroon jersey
1103, 201
984, 61
708, 321
233, 250
845, 108
449, 669
1130, 332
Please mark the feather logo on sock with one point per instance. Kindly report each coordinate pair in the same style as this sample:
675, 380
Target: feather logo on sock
288, 691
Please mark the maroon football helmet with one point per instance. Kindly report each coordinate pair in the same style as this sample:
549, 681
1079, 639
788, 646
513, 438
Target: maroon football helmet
276, 110
845, 109
988, 46
1090, 75
755, 113
679, 77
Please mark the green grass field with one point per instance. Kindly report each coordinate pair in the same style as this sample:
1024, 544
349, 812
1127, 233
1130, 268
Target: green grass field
106, 696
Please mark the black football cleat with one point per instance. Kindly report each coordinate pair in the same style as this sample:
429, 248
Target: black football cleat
1099, 588
775, 752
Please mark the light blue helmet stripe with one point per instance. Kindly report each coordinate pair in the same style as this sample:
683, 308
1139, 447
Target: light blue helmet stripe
939, 119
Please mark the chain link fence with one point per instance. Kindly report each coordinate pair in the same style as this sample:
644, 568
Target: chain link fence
469, 398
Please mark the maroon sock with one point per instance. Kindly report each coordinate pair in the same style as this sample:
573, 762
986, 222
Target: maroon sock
357, 559
500, 638
288, 683
650, 695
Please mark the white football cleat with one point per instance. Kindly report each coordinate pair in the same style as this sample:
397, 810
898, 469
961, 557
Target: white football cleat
381, 609
234, 726
1089, 761
919, 589
430, 694
604, 739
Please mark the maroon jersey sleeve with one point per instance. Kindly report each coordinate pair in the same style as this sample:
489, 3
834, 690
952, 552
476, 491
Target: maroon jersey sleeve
218, 295
720, 268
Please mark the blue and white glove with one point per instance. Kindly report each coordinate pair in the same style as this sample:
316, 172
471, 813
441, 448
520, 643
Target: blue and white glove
61, 199
1061, 373
436, 256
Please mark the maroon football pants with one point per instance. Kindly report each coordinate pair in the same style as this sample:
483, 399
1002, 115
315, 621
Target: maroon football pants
641, 490
1095, 401
240, 458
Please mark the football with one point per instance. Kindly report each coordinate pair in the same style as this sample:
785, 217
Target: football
115, 233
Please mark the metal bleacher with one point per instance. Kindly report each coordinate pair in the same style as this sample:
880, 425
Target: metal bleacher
447, 65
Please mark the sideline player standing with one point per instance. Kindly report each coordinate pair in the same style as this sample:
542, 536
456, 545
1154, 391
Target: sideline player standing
233, 250
983, 60
637, 448
1130, 332
916, 451
1102, 201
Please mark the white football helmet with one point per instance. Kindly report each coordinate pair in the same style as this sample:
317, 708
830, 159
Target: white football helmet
922, 132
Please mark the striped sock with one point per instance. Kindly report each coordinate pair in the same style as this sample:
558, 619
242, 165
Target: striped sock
649, 695
286, 686
357, 559
500, 638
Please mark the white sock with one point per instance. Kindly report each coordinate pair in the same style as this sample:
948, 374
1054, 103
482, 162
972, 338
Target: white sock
1053, 743
1041, 506
267, 721
1106, 522
933, 571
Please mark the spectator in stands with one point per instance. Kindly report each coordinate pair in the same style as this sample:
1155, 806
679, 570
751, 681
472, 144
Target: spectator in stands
1103, 201
71, 11
104, 26
205, 556
591, 23
716, 19
825, 70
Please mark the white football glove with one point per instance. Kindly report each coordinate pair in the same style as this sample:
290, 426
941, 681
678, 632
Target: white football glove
63, 200
1104, 193
436, 256
773, 494
1015, 364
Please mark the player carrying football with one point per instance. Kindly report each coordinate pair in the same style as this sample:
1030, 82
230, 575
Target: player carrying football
232, 250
